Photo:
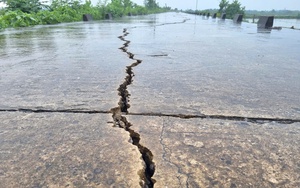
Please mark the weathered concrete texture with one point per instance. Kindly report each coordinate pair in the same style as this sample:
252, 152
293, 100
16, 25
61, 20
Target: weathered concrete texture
65, 150
61, 66
207, 70
212, 153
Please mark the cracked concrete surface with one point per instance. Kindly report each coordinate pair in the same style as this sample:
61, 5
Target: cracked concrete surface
120, 120
61, 67
65, 150
200, 112
214, 153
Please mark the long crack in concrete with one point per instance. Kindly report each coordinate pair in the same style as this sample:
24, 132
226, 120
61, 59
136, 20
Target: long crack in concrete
43, 110
121, 121
163, 24
258, 120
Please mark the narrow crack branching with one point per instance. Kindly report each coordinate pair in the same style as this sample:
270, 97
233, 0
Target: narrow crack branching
169, 160
165, 151
122, 122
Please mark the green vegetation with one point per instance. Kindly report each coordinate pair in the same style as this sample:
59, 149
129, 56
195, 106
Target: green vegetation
224, 7
231, 9
24, 13
119, 8
26, 6
151, 4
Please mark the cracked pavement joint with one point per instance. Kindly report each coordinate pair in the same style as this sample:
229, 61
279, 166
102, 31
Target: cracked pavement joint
259, 120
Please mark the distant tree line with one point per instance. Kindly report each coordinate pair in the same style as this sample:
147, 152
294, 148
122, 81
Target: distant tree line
151, 4
224, 7
23, 13
236, 8
287, 14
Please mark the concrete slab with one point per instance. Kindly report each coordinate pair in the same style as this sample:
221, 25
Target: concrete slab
66, 150
213, 153
209, 67
65, 66
175, 64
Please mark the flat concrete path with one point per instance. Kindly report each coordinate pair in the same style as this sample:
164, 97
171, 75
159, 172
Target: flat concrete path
209, 104
65, 150
214, 153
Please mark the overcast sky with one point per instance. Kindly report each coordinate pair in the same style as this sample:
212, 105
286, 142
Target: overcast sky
207, 4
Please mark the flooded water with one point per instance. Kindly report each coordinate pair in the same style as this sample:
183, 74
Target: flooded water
288, 23
209, 103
